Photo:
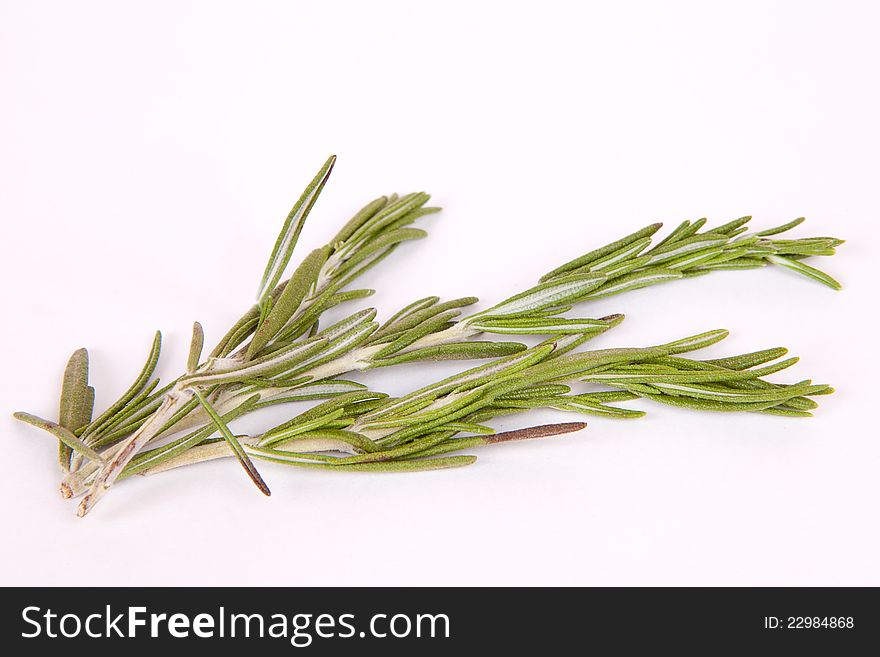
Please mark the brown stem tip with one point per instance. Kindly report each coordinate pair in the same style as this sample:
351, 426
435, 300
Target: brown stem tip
540, 431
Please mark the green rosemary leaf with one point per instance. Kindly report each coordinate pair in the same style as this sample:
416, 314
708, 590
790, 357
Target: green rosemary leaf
74, 392
786, 412
467, 379
823, 246
290, 300
732, 227
403, 339
88, 407
277, 382
806, 270
234, 339
61, 433
751, 359
338, 347
695, 342
379, 244
781, 229
365, 214
613, 260
314, 391
677, 249
447, 446
265, 309
344, 297
705, 404
411, 217
289, 235
246, 325
541, 391
537, 326
458, 351
554, 292
575, 364
739, 263
234, 445
611, 377
132, 415
374, 259
352, 438
799, 404
328, 409
393, 211
195, 348
581, 404
554, 310
697, 258
77, 401
469, 427
417, 465
415, 306
299, 426
136, 387
690, 230
626, 266
727, 254
634, 281
417, 315
719, 393
278, 362
592, 256
676, 234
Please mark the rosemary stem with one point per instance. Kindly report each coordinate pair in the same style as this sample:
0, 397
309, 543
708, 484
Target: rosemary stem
218, 450
174, 401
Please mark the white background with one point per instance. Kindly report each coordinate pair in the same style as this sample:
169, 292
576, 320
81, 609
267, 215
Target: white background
150, 152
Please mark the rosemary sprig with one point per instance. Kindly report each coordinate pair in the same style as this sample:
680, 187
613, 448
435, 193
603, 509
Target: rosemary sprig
277, 353
429, 422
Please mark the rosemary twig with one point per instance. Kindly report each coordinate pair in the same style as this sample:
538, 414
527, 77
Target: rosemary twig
278, 353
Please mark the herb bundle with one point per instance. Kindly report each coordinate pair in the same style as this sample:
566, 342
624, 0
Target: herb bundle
278, 353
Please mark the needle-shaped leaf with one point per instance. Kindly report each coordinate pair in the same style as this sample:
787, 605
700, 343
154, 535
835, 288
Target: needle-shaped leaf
552, 293
592, 256
401, 340
290, 300
289, 235
539, 326
279, 362
781, 229
457, 351
132, 392
806, 270
364, 214
415, 306
74, 411
195, 348
414, 465
234, 445
61, 433
732, 227
677, 249
695, 342
634, 281
417, 316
